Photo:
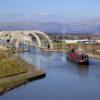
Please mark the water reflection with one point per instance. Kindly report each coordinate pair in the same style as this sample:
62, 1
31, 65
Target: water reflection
84, 70
48, 60
81, 70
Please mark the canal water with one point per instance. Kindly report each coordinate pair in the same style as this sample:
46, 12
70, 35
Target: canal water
64, 80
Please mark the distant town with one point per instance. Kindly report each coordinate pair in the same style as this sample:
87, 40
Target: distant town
74, 36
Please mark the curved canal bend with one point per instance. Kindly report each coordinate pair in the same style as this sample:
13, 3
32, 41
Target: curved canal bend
64, 80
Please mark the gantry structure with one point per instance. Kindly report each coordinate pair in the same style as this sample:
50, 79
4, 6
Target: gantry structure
24, 37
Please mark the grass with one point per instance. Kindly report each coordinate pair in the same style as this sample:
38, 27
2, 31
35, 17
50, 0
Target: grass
59, 43
97, 56
14, 71
94, 55
64, 46
12, 84
10, 67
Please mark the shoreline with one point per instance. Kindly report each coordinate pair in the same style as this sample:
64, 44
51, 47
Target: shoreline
93, 56
62, 51
13, 82
17, 72
49, 50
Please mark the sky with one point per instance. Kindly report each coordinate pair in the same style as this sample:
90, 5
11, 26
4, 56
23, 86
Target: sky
48, 10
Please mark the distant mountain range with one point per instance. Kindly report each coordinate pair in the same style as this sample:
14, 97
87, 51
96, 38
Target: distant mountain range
58, 27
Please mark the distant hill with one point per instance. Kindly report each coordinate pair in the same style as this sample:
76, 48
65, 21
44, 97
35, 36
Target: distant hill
70, 26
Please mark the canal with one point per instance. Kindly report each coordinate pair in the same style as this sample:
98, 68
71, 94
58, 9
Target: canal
64, 80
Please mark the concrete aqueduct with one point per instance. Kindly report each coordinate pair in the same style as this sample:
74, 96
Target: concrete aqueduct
25, 38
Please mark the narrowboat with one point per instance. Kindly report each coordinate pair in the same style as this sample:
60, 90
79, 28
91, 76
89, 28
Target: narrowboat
79, 58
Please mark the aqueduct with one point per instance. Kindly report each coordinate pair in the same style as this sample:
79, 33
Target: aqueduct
25, 37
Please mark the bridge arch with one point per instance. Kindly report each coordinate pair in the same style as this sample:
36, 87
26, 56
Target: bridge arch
19, 35
45, 35
35, 35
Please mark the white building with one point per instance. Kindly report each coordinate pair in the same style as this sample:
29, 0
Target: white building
77, 41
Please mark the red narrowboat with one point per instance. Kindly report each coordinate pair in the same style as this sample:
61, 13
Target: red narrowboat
79, 58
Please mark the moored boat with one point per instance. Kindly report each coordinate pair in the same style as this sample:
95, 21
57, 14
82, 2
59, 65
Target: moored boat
79, 58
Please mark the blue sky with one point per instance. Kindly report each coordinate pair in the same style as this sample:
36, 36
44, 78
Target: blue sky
54, 10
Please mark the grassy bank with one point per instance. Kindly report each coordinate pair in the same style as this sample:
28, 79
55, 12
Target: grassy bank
95, 56
87, 48
14, 71
10, 66
11, 84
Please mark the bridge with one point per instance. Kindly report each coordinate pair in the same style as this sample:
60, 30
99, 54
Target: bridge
34, 38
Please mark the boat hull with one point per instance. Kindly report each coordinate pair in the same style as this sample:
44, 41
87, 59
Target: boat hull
78, 62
